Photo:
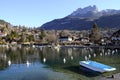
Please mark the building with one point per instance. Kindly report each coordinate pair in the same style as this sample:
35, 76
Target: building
83, 40
115, 38
3, 34
65, 39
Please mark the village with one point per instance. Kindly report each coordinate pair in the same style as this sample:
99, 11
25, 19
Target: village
14, 35
59, 40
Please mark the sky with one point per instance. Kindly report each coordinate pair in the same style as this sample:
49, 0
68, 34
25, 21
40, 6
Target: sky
34, 13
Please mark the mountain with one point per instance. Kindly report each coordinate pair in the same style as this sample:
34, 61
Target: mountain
5, 27
92, 12
87, 12
2, 22
83, 19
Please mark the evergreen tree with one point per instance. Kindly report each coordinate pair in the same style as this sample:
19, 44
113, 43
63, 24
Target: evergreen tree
95, 34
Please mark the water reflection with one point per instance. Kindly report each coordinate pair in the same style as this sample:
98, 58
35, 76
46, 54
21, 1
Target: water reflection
94, 55
22, 55
64, 58
44, 60
9, 62
71, 57
28, 63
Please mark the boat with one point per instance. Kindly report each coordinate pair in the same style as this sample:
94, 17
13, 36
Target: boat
96, 66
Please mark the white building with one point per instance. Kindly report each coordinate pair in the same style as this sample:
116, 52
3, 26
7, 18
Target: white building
115, 38
3, 34
65, 39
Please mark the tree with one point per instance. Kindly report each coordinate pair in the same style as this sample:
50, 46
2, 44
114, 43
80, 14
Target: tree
95, 34
23, 38
65, 33
30, 38
43, 34
51, 37
12, 36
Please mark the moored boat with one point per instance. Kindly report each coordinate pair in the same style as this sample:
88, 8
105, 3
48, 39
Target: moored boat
96, 66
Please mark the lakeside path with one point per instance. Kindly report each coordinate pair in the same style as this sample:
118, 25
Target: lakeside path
114, 77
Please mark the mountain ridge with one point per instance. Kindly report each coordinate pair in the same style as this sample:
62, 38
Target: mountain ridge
83, 19
93, 11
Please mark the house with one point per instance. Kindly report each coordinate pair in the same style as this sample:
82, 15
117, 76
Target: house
65, 39
3, 34
115, 38
104, 41
36, 36
83, 40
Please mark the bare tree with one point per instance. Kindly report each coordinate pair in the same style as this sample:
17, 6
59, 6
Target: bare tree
65, 33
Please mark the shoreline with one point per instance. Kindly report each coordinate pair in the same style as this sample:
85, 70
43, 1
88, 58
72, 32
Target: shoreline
66, 46
111, 77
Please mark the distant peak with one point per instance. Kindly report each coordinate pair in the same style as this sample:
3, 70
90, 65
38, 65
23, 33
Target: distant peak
91, 8
92, 12
95, 6
82, 11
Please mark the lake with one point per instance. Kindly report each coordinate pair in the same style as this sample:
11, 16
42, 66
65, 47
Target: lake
44, 63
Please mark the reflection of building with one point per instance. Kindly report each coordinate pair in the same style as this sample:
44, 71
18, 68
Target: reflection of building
70, 51
115, 38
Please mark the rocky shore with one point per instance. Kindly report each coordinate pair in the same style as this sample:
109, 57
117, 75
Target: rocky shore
112, 77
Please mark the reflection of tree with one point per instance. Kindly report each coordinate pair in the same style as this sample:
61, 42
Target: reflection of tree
70, 51
53, 59
41, 55
3, 64
19, 55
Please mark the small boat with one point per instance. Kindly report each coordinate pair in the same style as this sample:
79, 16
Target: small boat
96, 66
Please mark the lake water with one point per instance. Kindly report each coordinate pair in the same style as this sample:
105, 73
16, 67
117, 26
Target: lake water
29, 63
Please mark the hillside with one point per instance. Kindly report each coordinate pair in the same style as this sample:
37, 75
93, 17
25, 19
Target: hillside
5, 27
2, 23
